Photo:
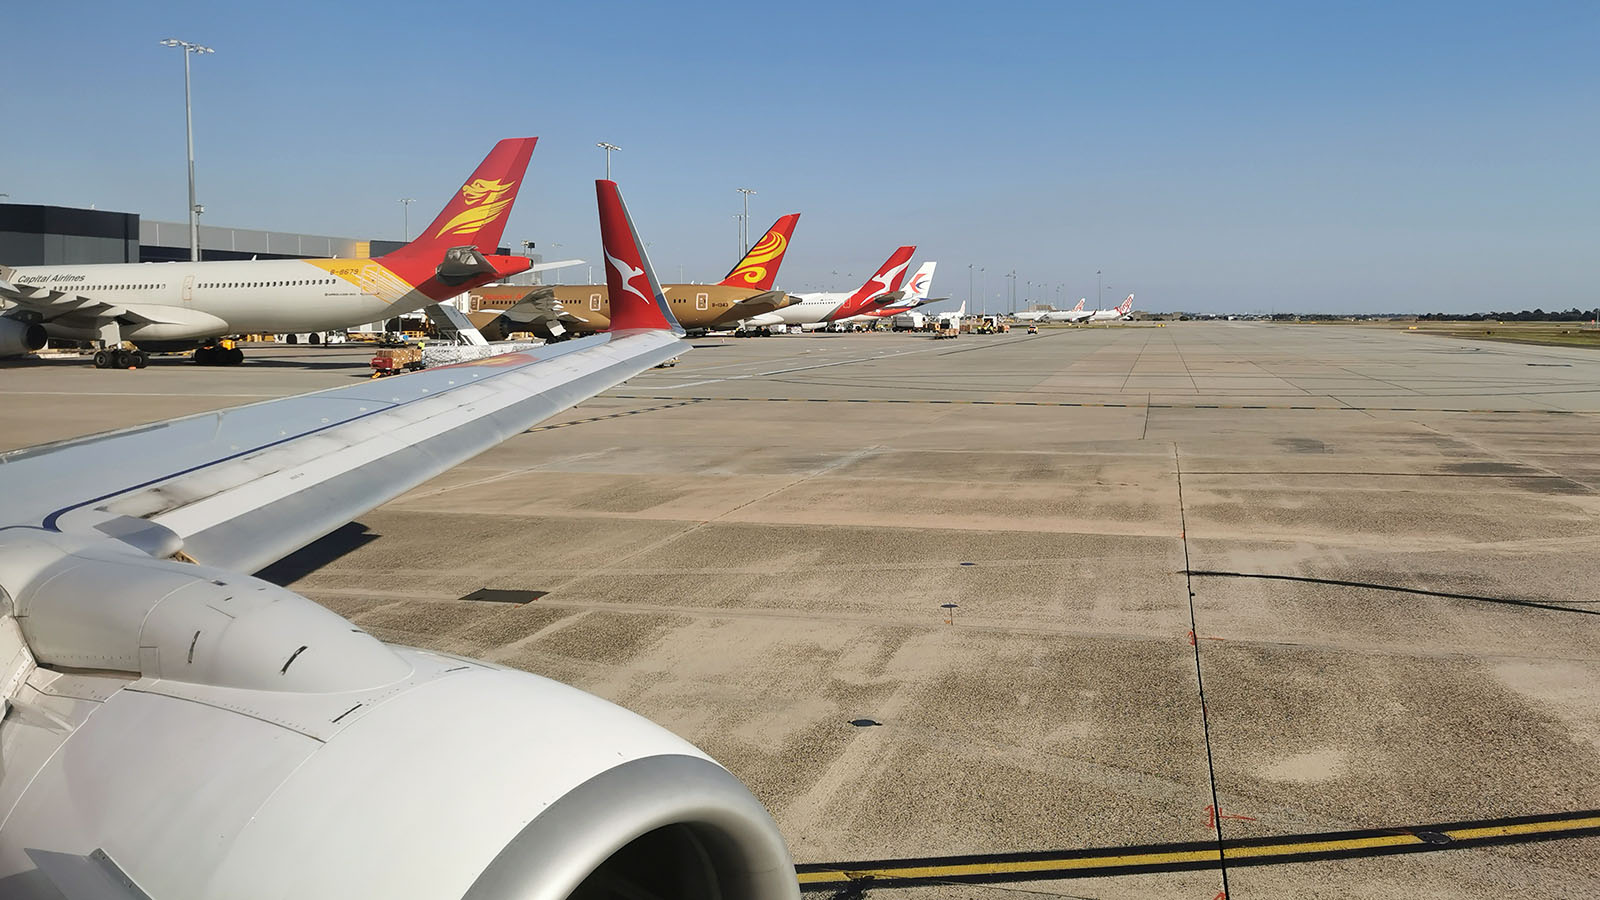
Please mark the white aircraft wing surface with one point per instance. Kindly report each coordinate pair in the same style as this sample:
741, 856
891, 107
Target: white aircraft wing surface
175, 728
243, 487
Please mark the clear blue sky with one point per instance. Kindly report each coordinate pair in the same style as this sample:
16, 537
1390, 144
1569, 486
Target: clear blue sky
1216, 156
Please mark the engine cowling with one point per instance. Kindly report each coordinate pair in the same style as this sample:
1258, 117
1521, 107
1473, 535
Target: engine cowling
18, 337
179, 745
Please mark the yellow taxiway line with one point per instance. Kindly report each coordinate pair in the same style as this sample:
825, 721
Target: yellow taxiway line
1189, 856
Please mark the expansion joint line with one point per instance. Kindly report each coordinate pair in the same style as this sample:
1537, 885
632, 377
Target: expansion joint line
1199, 677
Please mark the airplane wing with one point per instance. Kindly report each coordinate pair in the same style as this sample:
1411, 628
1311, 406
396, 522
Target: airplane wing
174, 727
243, 487
768, 301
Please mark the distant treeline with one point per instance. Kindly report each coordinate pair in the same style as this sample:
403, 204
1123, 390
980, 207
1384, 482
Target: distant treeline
1536, 315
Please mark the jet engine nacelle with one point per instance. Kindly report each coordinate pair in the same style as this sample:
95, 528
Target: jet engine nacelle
178, 745
18, 337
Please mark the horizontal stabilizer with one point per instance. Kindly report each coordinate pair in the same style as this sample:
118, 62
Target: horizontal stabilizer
464, 263
555, 264
764, 302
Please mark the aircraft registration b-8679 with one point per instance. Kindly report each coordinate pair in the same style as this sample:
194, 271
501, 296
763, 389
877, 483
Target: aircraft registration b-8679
175, 306
176, 729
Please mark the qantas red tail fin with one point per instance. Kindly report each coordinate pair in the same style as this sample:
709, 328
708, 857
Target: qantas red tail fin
759, 268
636, 297
886, 279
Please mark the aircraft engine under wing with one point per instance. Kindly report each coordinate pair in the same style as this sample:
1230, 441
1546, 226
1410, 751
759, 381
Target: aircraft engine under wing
176, 729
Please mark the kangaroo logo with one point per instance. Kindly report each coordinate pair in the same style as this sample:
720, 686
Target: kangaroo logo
887, 278
627, 273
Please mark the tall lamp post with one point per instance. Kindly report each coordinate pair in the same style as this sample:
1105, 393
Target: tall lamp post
744, 222
970, 268
608, 148
1097, 303
405, 205
188, 117
1013, 276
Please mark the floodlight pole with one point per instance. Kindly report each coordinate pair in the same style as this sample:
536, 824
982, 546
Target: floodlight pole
608, 148
744, 222
405, 204
188, 117
1097, 302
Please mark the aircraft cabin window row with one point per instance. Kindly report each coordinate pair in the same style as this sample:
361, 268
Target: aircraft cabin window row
119, 287
256, 284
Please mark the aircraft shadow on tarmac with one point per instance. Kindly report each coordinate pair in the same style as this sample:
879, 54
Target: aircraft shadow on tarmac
329, 548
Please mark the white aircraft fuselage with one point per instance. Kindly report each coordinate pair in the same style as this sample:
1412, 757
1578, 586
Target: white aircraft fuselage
182, 301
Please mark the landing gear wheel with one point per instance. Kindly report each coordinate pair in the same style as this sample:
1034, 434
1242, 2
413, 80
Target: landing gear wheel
122, 359
232, 357
205, 356
103, 359
140, 359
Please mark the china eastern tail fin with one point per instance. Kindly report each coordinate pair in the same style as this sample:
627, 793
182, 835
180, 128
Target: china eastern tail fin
919, 285
636, 298
759, 268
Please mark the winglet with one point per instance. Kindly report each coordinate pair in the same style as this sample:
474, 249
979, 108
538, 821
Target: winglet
759, 268
636, 298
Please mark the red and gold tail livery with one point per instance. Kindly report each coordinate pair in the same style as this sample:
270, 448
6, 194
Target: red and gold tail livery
759, 268
457, 250
477, 214
636, 298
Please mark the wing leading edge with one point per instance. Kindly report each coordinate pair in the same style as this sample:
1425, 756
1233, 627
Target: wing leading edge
243, 487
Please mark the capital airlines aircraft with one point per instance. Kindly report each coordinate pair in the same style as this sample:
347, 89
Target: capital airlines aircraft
176, 728
561, 310
160, 306
817, 310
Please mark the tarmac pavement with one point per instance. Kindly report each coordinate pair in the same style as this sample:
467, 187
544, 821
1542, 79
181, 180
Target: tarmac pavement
1236, 580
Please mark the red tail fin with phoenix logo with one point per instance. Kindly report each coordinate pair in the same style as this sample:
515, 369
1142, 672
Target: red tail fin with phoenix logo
477, 214
759, 268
